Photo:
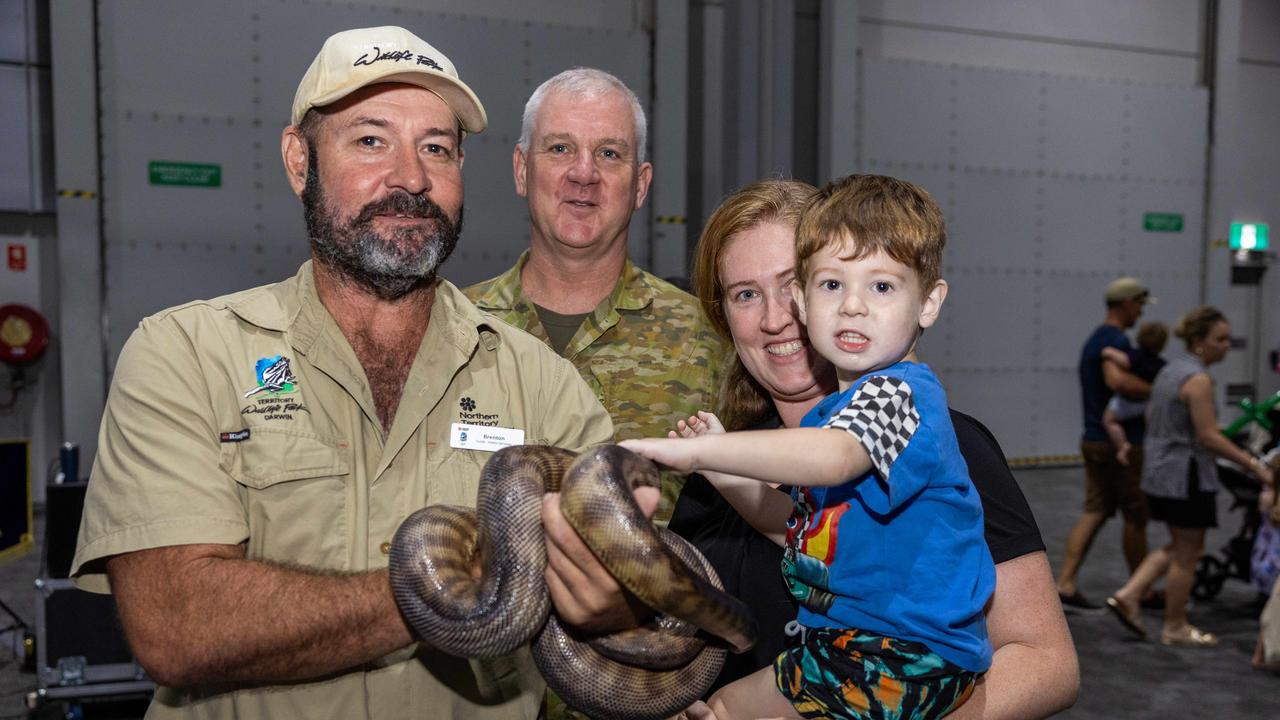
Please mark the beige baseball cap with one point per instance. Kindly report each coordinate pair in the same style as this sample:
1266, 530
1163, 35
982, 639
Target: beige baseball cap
353, 59
1126, 288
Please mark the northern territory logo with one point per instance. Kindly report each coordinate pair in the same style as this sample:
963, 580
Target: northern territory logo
274, 376
468, 414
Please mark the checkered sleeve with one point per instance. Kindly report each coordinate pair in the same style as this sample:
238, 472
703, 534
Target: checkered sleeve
882, 415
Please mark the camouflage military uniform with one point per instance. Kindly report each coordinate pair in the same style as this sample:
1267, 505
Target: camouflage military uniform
647, 351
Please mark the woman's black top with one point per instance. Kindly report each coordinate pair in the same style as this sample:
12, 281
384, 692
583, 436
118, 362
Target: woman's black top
749, 564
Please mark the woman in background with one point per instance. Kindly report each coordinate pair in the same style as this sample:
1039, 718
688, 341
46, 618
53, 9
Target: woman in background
1180, 477
742, 274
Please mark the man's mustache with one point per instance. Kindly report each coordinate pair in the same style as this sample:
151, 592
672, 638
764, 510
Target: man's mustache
402, 203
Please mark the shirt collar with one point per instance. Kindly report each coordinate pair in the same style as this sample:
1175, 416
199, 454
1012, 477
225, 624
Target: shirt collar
278, 306
633, 291
294, 307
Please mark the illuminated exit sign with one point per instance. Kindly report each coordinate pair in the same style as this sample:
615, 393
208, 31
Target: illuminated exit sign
1248, 236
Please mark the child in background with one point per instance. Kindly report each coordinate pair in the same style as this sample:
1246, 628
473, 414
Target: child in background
1145, 362
883, 533
1265, 572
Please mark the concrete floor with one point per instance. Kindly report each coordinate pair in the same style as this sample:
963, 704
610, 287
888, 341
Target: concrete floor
1122, 677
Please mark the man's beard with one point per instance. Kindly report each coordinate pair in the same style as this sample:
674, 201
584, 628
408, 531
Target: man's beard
389, 265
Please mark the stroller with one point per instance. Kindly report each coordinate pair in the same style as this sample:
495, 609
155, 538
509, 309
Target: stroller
1235, 558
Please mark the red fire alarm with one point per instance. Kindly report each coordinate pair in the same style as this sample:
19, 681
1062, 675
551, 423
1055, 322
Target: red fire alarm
18, 257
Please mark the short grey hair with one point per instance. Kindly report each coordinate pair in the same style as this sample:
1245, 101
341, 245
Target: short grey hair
585, 83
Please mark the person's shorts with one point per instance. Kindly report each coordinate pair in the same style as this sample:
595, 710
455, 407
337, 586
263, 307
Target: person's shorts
842, 673
1196, 511
1110, 486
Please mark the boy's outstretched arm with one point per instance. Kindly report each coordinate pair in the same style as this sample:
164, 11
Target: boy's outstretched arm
794, 456
739, 464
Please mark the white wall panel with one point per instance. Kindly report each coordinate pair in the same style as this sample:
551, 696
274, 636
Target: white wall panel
1157, 147
1057, 411
14, 43
15, 141
615, 14
1084, 126
1071, 306
191, 58
904, 94
1255, 189
998, 118
1152, 40
994, 222
1258, 31
1081, 218
1023, 54
989, 319
1156, 24
1004, 402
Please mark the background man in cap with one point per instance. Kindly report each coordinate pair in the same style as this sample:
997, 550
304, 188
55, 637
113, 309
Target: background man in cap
1109, 485
259, 450
641, 343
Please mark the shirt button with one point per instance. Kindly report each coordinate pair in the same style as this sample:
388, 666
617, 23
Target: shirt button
385, 548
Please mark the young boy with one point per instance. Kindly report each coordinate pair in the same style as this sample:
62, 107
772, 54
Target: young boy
1144, 362
883, 534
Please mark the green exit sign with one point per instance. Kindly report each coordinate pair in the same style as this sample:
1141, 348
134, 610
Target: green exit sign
1162, 222
1248, 236
185, 174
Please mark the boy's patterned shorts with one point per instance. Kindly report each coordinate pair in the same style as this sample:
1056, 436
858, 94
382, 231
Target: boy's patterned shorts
842, 673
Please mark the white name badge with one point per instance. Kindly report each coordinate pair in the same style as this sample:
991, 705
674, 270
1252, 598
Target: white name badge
483, 437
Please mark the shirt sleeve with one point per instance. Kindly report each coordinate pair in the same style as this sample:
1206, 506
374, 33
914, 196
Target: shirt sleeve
157, 479
882, 415
573, 417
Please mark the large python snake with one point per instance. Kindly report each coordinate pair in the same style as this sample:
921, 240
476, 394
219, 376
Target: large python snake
471, 583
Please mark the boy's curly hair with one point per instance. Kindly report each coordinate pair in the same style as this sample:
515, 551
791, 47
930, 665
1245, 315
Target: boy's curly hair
867, 213
1152, 336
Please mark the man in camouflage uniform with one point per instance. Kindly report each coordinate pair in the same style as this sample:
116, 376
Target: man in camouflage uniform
641, 343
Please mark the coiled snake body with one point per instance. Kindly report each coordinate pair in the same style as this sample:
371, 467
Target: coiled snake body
471, 583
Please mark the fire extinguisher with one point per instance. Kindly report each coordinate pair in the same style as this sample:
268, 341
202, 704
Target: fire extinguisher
24, 336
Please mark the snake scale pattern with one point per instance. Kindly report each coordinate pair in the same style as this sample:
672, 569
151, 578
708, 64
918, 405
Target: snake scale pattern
471, 583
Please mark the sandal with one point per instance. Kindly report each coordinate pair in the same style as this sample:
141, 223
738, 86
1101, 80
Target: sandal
1131, 620
1191, 636
1076, 600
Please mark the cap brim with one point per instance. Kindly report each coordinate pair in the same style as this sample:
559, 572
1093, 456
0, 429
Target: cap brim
464, 103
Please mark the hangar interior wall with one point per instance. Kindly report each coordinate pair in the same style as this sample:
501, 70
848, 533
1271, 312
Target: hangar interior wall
213, 85
1045, 181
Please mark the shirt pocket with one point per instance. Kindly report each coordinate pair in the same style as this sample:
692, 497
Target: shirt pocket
294, 489
453, 477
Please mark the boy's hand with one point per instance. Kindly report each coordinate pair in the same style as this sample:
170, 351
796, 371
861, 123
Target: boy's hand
675, 454
704, 423
1122, 455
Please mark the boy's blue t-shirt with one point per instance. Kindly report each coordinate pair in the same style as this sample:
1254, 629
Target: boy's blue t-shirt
900, 550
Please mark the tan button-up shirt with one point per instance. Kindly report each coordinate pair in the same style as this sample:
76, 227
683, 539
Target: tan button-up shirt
248, 420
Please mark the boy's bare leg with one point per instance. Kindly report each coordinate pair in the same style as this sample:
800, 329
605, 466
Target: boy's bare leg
754, 696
